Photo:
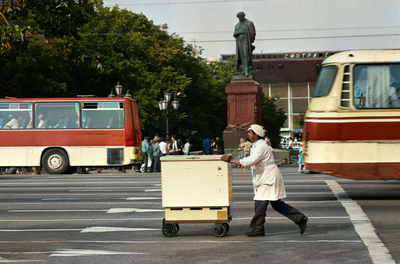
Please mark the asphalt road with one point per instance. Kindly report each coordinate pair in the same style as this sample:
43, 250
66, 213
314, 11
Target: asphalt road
116, 218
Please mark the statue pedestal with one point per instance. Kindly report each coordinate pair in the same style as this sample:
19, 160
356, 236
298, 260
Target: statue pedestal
244, 108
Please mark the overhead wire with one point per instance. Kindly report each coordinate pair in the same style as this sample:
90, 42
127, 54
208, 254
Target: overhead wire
278, 39
189, 3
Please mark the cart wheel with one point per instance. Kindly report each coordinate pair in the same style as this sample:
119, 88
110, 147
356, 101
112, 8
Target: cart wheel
176, 227
168, 230
219, 230
226, 227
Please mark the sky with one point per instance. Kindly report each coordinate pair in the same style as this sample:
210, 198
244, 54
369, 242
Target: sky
281, 25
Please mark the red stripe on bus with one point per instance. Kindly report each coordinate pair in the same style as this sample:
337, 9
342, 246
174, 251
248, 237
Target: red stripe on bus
358, 171
352, 117
352, 131
73, 137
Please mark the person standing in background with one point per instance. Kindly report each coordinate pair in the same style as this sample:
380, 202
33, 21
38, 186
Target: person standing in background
163, 147
241, 148
220, 145
155, 164
246, 148
145, 153
206, 146
186, 148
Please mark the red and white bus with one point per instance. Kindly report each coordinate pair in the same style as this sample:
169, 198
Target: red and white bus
352, 125
61, 134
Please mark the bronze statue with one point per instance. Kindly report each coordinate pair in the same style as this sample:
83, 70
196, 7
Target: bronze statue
245, 33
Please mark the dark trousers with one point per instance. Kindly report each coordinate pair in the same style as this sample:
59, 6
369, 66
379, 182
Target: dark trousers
155, 164
145, 160
260, 212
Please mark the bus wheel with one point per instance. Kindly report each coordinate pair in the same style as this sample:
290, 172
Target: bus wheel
55, 161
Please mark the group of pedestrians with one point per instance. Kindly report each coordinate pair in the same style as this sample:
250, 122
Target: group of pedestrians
153, 149
214, 146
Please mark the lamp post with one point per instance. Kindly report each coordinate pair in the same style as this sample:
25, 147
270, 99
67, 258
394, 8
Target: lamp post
165, 103
302, 114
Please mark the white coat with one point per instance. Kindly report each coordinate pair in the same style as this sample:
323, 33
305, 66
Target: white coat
267, 178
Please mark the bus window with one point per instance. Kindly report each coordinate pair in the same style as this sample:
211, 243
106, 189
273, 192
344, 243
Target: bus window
376, 86
325, 81
15, 115
103, 115
57, 115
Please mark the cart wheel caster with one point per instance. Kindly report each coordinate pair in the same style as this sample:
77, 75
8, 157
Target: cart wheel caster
176, 227
219, 230
168, 230
226, 227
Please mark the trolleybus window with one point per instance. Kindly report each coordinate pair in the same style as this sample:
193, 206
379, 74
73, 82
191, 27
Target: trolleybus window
15, 115
377, 86
325, 81
57, 115
103, 115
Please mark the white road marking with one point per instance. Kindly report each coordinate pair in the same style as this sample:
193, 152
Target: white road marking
81, 220
109, 211
95, 229
102, 229
153, 190
75, 182
291, 202
71, 199
20, 261
132, 210
183, 241
86, 252
294, 193
53, 211
68, 188
148, 219
40, 230
363, 226
142, 198
285, 218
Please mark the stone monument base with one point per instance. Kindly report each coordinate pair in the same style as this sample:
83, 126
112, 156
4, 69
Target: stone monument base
244, 108
231, 137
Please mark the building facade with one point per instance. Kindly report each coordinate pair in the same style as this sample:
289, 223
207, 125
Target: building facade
290, 77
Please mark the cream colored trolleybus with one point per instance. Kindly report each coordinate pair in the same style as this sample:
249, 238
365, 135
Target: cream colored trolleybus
196, 189
352, 125
61, 134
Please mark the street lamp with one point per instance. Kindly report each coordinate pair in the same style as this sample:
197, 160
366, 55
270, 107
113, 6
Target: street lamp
118, 90
165, 103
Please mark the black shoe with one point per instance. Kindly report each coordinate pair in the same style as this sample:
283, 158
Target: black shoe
303, 224
255, 232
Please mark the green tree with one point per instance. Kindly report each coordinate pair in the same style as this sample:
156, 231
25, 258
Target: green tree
149, 62
34, 65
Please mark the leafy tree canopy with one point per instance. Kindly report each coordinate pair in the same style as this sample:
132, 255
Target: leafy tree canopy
52, 48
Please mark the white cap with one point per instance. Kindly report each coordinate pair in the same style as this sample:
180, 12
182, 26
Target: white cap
259, 130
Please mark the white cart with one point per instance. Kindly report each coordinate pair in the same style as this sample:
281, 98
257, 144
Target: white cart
196, 189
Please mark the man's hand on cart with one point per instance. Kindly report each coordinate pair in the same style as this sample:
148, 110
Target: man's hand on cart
227, 157
235, 163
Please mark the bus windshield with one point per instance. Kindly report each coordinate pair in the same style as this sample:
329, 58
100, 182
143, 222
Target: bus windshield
325, 81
